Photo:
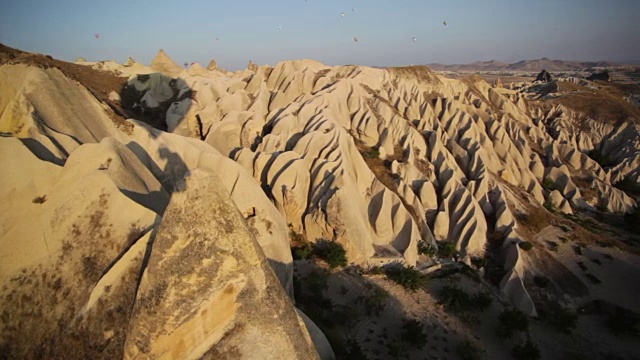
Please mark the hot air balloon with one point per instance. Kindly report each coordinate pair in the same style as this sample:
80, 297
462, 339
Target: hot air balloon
279, 28
186, 64
355, 38
342, 14
414, 39
445, 23
97, 35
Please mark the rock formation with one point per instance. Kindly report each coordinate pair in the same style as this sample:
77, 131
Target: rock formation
544, 76
602, 76
162, 63
167, 234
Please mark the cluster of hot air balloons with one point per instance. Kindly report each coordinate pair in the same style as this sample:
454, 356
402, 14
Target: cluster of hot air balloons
342, 14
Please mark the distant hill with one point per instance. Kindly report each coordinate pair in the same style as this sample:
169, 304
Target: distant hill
524, 65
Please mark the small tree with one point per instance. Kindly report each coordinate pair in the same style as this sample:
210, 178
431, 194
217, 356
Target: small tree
408, 277
331, 252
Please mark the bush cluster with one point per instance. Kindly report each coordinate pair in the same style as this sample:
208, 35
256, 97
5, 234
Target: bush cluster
457, 299
407, 277
511, 320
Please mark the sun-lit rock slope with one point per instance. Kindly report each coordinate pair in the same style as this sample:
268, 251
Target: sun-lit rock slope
377, 160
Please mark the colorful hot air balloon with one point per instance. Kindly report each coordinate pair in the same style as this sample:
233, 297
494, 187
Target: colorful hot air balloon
97, 35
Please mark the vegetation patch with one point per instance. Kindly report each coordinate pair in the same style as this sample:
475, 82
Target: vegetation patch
557, 317
427, 249
456, 299
447, 250
407, 277
331, 252
511, 321
526, 351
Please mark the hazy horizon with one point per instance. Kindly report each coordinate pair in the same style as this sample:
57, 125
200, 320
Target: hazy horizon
268, 32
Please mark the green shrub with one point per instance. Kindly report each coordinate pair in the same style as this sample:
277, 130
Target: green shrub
548, 184
468, 350
447, 250
407, 277
558, 317
376, 302
511, 320
525, 245
456, 299
375, 270
426, 249
302, 252
412, 333
526, 351
549, 206
482, 300
331, 252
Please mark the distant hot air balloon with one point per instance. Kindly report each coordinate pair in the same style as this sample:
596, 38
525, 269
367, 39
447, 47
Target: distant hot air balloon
186, 64
445, 23
342, 14
353, 9
355, 38
414, 39
96, 35
279, 28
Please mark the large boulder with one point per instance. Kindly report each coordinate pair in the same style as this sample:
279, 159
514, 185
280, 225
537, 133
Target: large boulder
602, 76
208, 291
544, 76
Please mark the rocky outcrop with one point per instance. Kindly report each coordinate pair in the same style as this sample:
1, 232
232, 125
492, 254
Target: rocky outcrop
207, 291
544, 76
602, 76
162, 63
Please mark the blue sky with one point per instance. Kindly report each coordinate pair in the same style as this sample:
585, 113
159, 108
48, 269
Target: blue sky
506, 30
